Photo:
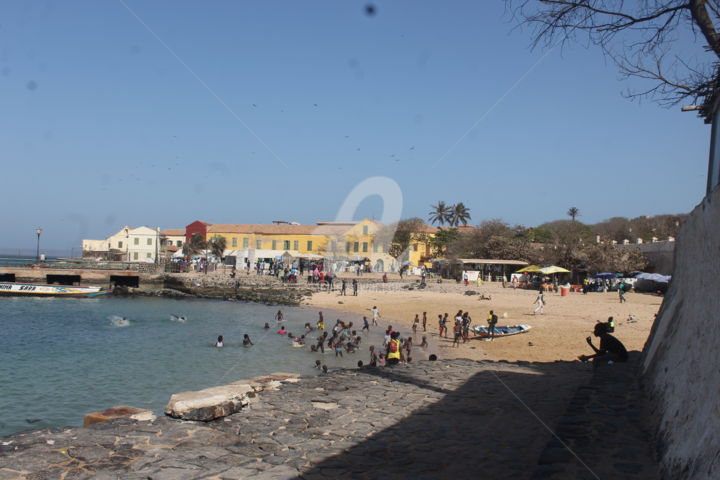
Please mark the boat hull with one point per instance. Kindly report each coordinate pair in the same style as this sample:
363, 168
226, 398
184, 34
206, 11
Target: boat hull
32, 290
501, 331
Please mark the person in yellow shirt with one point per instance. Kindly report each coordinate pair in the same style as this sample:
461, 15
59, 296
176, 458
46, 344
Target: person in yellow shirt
393, 349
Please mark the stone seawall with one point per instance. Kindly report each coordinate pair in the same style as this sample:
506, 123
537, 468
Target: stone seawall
682, 357
443, 419
251, 288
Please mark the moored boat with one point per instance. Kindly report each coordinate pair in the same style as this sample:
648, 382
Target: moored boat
30, 289
501, 331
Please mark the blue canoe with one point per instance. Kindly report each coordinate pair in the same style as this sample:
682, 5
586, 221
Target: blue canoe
504, 331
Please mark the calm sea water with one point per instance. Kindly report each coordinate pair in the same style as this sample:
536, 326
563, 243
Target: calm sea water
61, 358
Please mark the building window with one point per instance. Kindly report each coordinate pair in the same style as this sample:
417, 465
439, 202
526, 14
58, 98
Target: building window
246, 242
258, 244
234, 242
415, 247
136, 241
365, 247
135, 255
119, 244
149, 241
148, 255
309, 246
365, 229
274, 244
286, 244
333, 245
356, 246
348, 246
296, 244
169, 243
179, 243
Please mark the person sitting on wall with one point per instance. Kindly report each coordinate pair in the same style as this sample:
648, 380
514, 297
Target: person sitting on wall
611, 349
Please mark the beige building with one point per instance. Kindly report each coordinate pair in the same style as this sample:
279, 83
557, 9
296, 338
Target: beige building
94, 248
129, 244
171, 240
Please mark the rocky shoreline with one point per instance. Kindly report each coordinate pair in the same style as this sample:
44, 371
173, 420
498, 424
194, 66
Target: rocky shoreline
219, 286
442, 419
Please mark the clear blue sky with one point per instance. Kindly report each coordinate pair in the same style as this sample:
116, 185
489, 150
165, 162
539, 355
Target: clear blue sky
101, 126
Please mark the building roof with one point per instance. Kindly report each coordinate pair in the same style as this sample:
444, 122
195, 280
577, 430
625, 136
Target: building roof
425, 228
490, 261
176, 232
249, 228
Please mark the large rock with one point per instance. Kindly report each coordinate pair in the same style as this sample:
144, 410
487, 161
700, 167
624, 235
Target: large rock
217, 402
211, 403
139, 414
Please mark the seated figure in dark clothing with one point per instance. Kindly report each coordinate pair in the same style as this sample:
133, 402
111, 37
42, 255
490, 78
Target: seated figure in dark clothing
610, 347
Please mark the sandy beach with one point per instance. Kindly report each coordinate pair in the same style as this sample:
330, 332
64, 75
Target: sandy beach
558, 334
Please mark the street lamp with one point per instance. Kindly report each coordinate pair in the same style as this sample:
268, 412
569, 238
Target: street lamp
38, 230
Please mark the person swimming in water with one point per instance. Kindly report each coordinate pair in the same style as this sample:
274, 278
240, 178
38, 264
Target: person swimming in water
282, 330
267, 325
220, 342
247, 341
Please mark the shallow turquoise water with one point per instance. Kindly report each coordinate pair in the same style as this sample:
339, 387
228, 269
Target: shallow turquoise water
61, 358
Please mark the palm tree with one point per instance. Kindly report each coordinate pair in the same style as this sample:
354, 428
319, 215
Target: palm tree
440, 213
573, 212
460, 214
217, 245
196, 245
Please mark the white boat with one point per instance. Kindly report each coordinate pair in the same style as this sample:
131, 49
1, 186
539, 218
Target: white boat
7, 288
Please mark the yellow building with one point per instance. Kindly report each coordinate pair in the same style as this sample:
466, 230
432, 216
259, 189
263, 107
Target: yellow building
365, 241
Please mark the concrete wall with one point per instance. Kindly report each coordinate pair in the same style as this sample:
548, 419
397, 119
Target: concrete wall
659, 254
681, 364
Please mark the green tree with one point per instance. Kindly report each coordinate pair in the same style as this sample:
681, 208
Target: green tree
573, 212
440, 213
492, 239
569, 237
459, 214
442, 240
196, 245
398, 236
217, 246
605, 257
539, 235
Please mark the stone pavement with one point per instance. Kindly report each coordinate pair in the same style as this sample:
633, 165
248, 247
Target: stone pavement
444, 419
605, 426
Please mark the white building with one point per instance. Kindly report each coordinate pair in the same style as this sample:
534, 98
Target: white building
143, 244
129, 244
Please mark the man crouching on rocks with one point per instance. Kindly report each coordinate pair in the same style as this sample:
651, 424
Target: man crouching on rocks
611, 349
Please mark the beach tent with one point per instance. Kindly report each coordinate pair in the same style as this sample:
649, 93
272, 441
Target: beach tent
604, 275
654, 277
529, 269
651, 282
553, 269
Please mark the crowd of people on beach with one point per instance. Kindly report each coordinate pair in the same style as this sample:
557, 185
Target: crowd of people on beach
343, 338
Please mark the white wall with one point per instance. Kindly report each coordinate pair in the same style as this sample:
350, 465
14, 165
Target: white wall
142, 244
681, 364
